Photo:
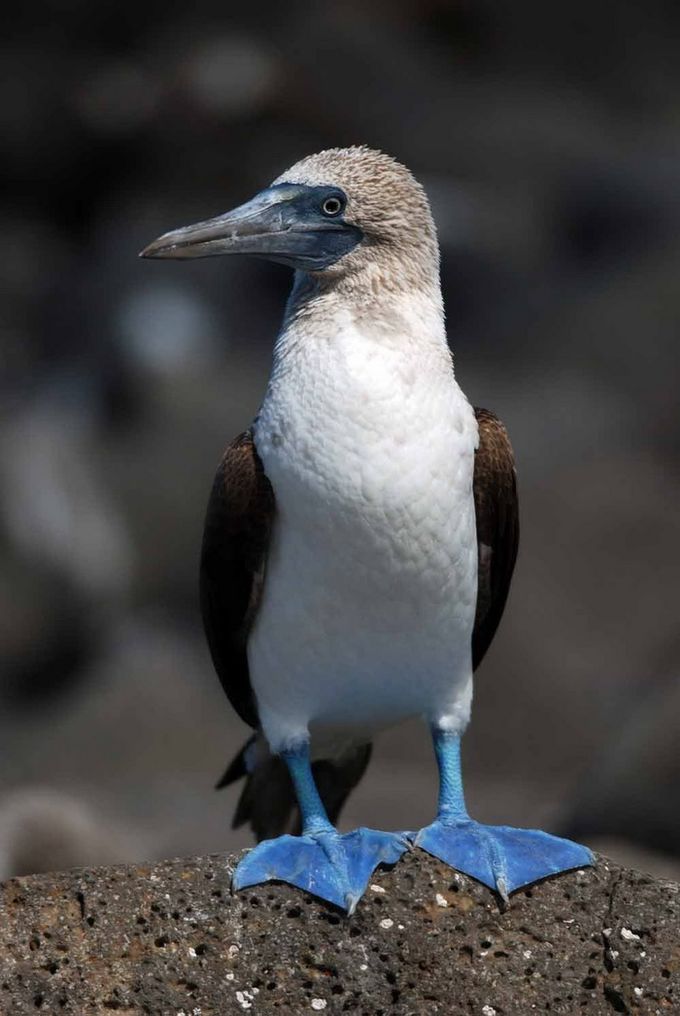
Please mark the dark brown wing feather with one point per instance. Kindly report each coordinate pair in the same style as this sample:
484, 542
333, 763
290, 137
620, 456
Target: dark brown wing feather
496, 508
233, 558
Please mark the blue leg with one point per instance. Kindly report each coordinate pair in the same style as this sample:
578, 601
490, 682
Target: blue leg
501, 857
321, 861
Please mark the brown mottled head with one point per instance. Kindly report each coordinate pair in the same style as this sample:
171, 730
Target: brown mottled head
345, 213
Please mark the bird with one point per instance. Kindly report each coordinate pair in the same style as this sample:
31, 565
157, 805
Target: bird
361, 534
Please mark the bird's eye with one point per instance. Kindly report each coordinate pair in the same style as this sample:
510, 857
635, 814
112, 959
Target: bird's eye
331, 206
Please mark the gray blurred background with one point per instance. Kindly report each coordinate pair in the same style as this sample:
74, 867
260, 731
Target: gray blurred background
548, 137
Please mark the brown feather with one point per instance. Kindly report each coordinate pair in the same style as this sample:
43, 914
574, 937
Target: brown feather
233, 560
497, 513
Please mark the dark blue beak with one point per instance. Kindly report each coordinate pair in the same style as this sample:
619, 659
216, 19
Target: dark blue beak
295, 225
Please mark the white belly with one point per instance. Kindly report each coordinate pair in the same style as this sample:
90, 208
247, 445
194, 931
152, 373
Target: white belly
371, 582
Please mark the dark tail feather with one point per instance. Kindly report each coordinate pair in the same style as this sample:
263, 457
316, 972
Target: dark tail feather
237, 768
267, 801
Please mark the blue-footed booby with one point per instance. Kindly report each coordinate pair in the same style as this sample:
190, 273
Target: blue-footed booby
360, 536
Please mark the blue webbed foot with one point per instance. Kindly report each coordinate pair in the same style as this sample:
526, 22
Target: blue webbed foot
334, 867
503, 858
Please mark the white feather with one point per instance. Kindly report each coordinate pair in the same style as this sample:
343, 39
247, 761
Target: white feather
371, 580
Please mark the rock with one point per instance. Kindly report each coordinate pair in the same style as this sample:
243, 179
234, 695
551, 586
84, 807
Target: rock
171, 939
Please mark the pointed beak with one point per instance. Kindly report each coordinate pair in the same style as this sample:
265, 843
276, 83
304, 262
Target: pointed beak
277, 224
252, 228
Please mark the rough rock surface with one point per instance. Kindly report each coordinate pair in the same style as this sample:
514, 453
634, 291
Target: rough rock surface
169, 938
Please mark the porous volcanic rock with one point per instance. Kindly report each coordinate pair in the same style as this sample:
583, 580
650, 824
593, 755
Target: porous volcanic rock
170, 938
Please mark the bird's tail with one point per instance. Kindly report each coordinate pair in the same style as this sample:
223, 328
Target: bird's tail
267, 801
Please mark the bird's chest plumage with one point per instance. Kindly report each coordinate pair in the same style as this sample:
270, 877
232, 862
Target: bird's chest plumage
371, 579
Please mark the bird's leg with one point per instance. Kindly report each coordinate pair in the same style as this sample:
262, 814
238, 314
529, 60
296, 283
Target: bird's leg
501, 857
312, 810
321, 861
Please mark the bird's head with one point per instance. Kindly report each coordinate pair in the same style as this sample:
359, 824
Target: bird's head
340, 213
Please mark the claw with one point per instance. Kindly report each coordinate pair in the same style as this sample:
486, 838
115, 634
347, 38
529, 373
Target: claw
351, 901
502, 889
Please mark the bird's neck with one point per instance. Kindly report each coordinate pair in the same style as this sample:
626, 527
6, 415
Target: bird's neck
407, 315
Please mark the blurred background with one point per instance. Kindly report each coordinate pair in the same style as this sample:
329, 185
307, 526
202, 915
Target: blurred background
548, 137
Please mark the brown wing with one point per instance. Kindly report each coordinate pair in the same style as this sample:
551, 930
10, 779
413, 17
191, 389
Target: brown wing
233, 558
496, 508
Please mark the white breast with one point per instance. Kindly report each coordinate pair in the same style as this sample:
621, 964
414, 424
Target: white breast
371, 581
